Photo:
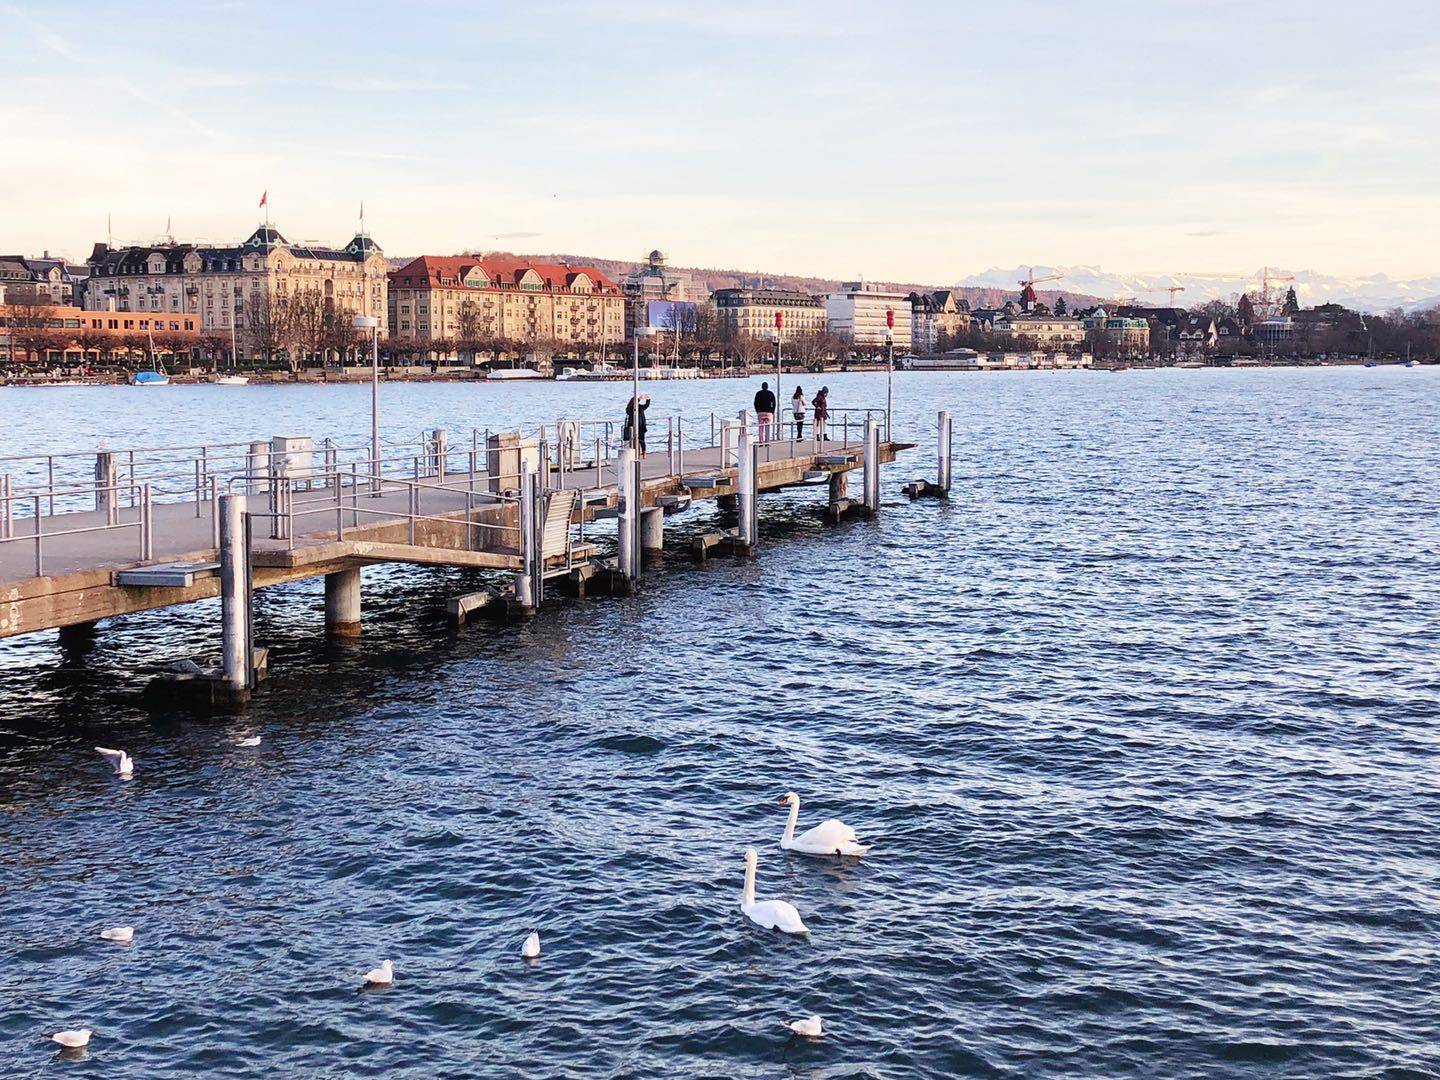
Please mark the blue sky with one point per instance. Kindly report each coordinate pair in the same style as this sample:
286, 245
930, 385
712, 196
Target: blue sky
914, 141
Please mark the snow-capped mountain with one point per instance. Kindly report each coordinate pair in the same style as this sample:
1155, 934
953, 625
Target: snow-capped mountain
1378, 292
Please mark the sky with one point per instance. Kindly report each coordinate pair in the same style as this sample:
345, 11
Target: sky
906, 141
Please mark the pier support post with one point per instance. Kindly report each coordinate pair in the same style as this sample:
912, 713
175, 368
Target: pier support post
942, 463
235, 597
107, 498
78, 637
652, 530
747, 534
437, 454
342, 603
527, 579
839, 487
629, 521
872, 466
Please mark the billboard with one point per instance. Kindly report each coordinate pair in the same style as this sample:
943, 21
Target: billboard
670, 315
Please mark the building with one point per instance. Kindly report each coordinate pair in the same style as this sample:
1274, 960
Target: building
1046, 331
936, 318
1125, 335
57, 279
862, 314
1197, 335
501, 298
750, 310
658, 297
248, 287
1276, 330
44, 333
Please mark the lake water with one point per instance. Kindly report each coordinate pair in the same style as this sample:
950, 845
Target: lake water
1140, 723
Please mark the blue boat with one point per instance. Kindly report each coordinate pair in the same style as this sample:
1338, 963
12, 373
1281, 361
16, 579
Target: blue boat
150, 378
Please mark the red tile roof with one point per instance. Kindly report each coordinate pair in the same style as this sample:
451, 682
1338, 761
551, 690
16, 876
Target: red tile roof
431, 270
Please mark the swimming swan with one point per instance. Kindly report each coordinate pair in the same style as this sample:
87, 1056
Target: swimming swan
828, 838
771, 914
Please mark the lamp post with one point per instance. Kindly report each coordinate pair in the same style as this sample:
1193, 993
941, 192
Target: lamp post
640, 331
889, 369
369, 322
779, 367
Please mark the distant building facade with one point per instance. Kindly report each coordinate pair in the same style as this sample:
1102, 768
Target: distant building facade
1196, 336
62, 282
1047, 331
65, 331
860, 313
237, 286
1126, 335
934, 316
459, 297
752, 311
652, 290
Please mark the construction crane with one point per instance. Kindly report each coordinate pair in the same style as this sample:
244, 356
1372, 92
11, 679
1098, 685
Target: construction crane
1027, 290
1172, 290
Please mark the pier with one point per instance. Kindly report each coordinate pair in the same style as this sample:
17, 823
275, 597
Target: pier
85, 537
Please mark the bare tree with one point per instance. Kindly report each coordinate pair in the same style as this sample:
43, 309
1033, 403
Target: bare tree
30, 313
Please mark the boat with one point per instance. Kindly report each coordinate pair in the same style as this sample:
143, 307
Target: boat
601, 372
512, 374
231, 380
149, 378
669, 373
1191, 364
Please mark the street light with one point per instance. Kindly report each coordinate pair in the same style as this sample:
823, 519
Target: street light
889, 369
362, 323
640, 331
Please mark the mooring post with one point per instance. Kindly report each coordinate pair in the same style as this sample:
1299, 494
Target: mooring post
527, 584
628, 468
342, 603
234, 596
748, 468
257, 466
652, 530
872, 466
942, 465
107, 496
438, 451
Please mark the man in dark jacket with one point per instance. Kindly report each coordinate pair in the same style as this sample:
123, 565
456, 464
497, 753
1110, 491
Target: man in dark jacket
631, 417
765, 410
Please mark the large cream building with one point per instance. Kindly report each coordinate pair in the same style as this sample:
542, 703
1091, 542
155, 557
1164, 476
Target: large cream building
752, 311
238, 286
1047, 331
861, 313
455, 297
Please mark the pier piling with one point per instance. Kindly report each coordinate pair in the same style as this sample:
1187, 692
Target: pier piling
527, 579
652, 530
943, 449
107, 496
342, 603
872, 466
747, 534
234, 598
628, 468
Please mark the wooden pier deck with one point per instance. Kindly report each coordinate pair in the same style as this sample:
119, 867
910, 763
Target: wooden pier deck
341, 526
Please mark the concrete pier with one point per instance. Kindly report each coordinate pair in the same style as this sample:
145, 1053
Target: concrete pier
652, 530
342, 603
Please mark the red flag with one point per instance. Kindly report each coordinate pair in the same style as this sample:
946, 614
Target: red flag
265, 197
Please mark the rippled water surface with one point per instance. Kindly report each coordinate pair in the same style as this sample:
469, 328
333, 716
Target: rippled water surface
1140, 723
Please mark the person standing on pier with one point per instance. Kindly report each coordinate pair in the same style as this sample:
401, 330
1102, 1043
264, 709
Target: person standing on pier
822, 412
765, 410
797, 407
635, 424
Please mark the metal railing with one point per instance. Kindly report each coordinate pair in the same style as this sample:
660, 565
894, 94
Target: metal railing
38, 533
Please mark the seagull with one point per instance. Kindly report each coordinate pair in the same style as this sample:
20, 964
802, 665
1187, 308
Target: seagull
72, 1040
384, 975
531, 949
122, 934
124, 765
253, 740
810, 1027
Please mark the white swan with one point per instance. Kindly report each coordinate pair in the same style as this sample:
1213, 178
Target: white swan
121, 934
124, 765
253, 740
384, 975
828, 838
72, 1040
810, 1027
531, 949
771, 914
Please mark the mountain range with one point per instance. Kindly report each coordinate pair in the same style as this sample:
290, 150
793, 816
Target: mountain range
1378, 292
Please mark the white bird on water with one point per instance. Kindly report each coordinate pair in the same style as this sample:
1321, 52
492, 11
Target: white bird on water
531, 949
810, 1027
384, 975
124, 764
72, 1040
828, 838
771, 914
122, 934
253, 740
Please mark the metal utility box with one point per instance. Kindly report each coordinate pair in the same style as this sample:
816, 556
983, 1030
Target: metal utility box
505, 453
293, 456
